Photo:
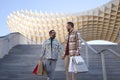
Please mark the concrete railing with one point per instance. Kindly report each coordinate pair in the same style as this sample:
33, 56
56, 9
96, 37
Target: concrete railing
11, 40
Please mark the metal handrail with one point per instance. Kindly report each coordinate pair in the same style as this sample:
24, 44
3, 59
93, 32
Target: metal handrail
88, 45
102, 56
111, 50
103, 61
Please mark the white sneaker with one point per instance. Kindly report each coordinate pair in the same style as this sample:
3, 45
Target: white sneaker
48, 78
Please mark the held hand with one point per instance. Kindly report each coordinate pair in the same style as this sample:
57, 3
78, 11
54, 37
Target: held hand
63, 57
77, 54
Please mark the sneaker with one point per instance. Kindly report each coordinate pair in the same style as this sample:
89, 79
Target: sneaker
47, 78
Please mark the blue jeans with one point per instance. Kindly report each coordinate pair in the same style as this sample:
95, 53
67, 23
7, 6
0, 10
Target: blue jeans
50, 65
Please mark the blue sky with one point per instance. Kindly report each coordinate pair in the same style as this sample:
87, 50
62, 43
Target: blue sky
67, 6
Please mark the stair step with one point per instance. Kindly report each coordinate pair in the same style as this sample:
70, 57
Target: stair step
22, 59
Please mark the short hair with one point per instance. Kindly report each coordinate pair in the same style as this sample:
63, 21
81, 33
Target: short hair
51, 31
71, 23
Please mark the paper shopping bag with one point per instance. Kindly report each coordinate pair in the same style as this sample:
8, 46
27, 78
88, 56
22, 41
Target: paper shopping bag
39, 69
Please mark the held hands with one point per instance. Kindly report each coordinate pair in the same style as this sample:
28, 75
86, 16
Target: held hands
77, 53
63, 57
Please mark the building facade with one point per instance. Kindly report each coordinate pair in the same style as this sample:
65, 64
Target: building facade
101, 23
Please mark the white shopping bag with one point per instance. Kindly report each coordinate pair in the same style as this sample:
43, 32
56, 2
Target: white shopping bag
77, 64
78, 60
70, 67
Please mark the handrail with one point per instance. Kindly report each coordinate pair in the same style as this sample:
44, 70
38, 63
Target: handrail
111, 50
86, 47
87, 44
103, 61
102, 56
103, 67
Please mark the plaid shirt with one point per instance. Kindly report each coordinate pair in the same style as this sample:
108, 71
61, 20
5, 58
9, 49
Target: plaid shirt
74, 43
51, 53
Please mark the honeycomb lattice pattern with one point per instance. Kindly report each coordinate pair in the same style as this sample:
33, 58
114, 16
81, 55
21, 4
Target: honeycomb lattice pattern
101, 23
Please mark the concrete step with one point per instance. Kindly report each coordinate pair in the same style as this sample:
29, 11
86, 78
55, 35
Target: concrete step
21, 60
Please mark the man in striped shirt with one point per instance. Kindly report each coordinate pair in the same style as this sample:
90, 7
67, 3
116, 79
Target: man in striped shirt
72, 46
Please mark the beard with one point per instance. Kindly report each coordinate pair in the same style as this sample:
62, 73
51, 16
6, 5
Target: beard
68, 30
53, 36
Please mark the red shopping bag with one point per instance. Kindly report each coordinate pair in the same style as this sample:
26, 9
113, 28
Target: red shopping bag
35, 70
39, 69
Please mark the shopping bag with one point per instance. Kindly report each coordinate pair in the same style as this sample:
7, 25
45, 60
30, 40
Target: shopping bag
78, 60
39, 69
70, 67
77, 64
35, 70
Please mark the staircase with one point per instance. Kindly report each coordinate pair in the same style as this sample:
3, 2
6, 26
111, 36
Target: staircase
22, 59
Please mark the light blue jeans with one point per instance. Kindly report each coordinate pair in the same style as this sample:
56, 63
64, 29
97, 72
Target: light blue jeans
50, 65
